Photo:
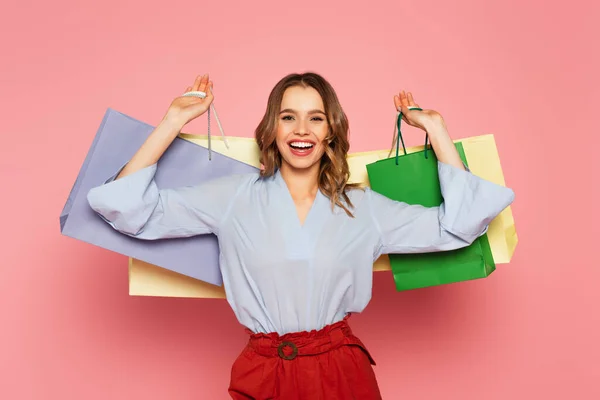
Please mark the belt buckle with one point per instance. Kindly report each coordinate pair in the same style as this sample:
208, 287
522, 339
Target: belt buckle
282, 354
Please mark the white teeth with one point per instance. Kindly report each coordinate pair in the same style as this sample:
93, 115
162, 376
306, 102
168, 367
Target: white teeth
302, 145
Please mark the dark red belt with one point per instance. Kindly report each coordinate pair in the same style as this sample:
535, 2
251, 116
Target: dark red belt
298, 344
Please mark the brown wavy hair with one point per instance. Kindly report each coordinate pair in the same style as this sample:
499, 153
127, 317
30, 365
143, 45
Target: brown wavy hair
334, 171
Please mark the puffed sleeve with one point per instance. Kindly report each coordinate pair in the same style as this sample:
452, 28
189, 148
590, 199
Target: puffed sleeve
470, 204
135, 206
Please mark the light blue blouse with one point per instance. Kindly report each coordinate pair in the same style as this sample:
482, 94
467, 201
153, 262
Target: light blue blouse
282, 276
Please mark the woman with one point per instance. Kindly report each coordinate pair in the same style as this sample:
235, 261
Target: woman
297, 241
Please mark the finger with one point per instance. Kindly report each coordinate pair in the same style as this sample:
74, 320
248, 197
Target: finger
411, 100
203, 83
209, 93
188, 89
397, 102
403, 99
196, 84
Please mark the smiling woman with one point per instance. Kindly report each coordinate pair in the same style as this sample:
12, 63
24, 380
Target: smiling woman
304, 133
297, 241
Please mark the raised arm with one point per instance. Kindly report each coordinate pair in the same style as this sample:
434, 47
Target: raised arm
131, 202
470, 203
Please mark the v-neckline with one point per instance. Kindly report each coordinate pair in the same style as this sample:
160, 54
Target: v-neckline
290, 200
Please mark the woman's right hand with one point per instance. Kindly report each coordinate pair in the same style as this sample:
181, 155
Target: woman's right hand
186, 108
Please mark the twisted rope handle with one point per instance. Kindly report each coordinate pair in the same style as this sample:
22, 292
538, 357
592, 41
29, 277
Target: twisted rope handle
397, 138
212, 106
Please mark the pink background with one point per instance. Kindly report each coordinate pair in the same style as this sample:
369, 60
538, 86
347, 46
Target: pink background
525, 71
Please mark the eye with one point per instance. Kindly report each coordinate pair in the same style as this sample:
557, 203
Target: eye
317, 119
287, 118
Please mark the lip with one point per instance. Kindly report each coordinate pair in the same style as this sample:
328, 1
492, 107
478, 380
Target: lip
298, 152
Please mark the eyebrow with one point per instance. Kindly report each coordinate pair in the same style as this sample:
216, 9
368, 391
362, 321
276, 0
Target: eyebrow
289, 110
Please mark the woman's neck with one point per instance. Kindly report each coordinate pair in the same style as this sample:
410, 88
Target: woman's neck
301, 183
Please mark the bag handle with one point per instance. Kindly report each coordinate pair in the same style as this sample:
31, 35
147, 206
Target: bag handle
203, 95
398, 135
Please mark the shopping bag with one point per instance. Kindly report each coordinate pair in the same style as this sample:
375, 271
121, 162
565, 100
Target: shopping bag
413, 178
146, 279
184, 163
484, 161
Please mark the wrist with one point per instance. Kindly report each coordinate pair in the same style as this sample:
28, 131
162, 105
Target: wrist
172, 123
435, 126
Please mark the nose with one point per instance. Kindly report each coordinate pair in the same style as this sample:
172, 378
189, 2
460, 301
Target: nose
302, 128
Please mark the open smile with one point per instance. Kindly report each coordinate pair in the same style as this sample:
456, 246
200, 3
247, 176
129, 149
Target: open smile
301, 148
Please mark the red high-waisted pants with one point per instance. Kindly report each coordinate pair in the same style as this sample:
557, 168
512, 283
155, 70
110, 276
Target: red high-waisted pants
330, 363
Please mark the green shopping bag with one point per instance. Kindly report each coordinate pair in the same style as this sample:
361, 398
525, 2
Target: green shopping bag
413, 179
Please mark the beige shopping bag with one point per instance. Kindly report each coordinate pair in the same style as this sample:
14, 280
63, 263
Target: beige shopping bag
149, 280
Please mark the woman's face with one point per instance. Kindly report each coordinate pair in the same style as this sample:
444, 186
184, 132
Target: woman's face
302, 126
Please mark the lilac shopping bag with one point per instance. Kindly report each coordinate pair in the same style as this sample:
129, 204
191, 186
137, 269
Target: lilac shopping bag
184, 163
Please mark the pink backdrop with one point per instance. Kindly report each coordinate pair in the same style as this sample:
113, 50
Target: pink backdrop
524, 71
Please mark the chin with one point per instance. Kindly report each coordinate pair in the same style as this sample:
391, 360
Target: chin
302, 166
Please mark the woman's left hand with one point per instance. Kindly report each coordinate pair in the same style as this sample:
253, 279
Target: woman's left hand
431, 122
426, 119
